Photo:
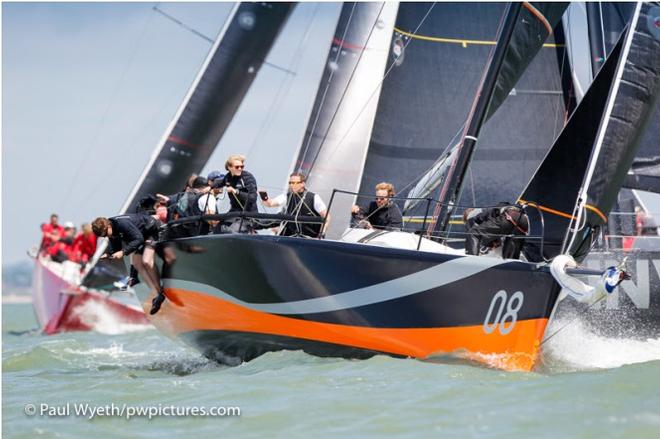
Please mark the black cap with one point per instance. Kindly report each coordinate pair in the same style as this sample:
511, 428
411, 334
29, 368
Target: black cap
200, 182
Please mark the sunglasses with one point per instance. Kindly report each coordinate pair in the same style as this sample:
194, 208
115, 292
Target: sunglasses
238, 167
295, 182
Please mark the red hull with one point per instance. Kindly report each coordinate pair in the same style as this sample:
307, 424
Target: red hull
60, 306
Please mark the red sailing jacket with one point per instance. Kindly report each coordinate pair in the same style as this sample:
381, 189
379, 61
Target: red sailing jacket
84, 247
46, 241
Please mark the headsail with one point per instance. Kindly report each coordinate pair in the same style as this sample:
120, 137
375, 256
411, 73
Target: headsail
562, 171
624, 95
213, 99
632, 101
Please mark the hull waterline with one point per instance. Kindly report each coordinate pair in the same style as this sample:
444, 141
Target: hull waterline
235, 297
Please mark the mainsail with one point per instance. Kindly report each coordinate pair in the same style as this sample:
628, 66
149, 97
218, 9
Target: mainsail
437, 55
213, 99
513, 144
334, 146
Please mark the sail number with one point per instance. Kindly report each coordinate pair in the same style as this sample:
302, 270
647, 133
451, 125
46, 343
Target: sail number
507, 312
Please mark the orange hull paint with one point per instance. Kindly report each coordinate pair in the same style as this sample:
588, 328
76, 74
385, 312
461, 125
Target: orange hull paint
187, 311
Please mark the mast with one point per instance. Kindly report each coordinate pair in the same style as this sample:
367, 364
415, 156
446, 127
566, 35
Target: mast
451, 189
596, 35
213, 99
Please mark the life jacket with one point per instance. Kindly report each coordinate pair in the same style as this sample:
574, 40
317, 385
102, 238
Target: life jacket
297, 205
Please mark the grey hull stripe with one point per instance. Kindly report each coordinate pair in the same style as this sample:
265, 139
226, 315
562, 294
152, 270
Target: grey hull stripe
433, 277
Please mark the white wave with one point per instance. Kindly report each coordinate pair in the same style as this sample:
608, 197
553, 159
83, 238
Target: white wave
103, 320
578, 348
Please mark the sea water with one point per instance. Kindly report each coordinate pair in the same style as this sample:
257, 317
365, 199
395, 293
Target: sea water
587, 386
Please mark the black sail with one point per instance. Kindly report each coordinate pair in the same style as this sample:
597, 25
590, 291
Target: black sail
556, 183
437, 64
636, 92
536, 23
594, 152
213, 99
531, 87
514, 141
645, 170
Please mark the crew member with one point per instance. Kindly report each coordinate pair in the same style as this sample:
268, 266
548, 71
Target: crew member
644, 223
382, 213
486, 228
241, 186
134, 234
84, 245
52, 232
298, 201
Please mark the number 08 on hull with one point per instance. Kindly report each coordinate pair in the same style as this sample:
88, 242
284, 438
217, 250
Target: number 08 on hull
235, 297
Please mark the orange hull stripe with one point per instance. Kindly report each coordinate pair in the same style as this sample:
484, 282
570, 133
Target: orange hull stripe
200, 312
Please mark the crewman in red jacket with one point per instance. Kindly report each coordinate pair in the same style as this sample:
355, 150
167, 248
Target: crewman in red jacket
52, 232
84, 246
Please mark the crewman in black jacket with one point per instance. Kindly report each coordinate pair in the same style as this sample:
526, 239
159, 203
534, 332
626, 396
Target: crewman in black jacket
382, 213
241, 186
504, 225
134, 234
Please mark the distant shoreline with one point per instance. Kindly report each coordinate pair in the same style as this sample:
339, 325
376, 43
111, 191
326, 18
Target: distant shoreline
16, 299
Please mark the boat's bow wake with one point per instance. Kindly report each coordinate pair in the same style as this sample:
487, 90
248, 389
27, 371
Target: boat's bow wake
576, 347
104, 319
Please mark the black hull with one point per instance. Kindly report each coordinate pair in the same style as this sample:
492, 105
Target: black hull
235, 297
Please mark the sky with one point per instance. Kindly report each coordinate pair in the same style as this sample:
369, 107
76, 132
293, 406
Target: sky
88, 89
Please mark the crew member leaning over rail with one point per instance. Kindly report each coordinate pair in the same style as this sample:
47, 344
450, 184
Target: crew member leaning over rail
504, 225
134, 234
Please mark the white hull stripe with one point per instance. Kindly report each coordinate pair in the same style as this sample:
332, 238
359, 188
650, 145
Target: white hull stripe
433, 277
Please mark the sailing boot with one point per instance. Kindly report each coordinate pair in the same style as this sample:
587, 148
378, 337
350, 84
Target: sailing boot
157, 302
